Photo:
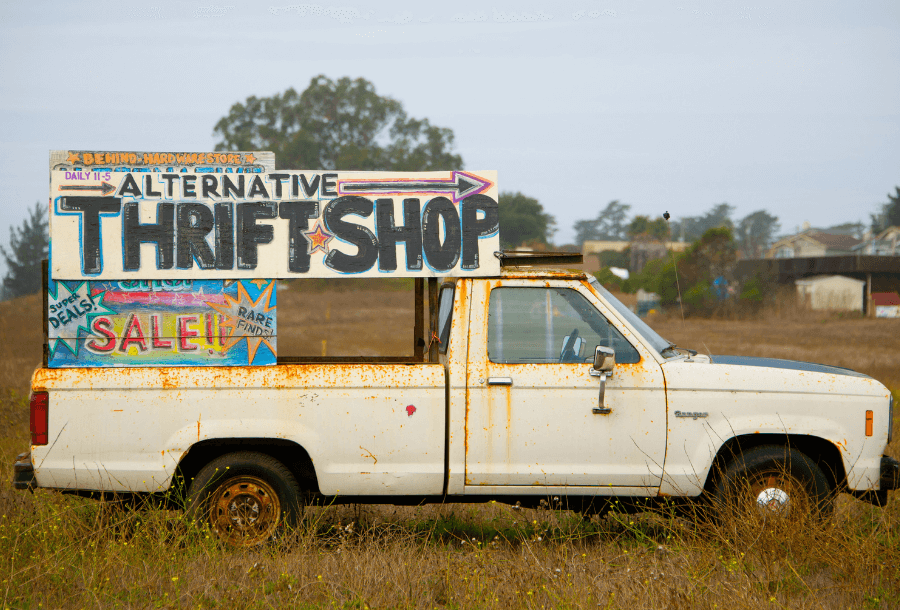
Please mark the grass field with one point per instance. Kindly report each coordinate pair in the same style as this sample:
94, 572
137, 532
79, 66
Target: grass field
65, 552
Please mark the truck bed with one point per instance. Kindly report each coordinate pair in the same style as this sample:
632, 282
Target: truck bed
369, 428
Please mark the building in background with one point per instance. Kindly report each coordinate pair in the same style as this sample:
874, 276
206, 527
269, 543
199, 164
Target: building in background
832, 293
887, 304
813, 242
640, 252
886, 243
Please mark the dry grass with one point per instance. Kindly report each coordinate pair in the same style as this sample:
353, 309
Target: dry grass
65, 552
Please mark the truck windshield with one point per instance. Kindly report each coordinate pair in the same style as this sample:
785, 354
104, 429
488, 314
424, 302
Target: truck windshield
652, 337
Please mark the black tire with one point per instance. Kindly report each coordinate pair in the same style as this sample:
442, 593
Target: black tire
247, 498
773, 481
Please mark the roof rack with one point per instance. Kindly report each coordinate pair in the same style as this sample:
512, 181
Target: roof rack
515, 258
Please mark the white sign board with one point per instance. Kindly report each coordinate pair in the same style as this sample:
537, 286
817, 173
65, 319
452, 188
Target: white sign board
126, 224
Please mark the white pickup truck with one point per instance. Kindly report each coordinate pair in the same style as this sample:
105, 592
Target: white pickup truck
543, 385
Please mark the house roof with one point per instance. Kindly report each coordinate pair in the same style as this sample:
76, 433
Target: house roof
885, 298
889, 232
830, 241
830, 279
834, 242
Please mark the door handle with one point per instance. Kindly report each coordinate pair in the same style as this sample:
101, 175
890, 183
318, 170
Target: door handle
499, 381
601, 409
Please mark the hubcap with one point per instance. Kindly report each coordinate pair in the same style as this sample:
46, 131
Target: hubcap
244, 511
775, 493
772, 499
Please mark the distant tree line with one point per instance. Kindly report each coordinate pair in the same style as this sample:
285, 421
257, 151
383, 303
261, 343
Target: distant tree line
753, 233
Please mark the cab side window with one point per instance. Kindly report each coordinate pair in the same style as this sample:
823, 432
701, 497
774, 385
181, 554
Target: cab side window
549, 325
445, 315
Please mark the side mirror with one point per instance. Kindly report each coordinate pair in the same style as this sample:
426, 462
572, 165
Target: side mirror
604, 359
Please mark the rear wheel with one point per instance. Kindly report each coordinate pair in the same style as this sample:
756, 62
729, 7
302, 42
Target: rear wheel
773, 482
247, 498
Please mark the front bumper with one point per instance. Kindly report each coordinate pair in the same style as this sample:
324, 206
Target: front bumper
23, 472
890, 473
890, 480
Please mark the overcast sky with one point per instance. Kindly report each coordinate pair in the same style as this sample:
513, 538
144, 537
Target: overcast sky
663, 105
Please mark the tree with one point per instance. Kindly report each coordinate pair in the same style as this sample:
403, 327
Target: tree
890, 213
609, 225
28, 246
691, 228
523, 221
341, 124
698, 274
642, 228
755, 232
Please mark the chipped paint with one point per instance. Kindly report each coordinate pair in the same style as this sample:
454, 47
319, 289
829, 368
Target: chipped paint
543, 423
278, 377
368, 454
171, 409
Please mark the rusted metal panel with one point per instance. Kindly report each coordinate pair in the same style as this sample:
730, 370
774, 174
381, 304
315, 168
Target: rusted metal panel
125, 431
541, 273
135, 323
541, 430
730, 401
236, 377
456, 359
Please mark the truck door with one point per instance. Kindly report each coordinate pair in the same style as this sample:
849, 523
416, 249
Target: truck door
532, 415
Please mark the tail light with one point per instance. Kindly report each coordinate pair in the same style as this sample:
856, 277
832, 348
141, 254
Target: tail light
40, 416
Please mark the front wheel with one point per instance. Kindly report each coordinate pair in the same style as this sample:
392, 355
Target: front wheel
773, 481
247, 498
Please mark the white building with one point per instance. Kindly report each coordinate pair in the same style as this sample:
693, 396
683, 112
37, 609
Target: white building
832, 292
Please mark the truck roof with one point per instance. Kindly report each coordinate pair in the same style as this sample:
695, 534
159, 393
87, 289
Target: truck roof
542, 272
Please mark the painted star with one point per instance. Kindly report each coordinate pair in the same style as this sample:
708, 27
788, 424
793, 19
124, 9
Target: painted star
74, 158
70, 317
249, 158
230, 312
318, 239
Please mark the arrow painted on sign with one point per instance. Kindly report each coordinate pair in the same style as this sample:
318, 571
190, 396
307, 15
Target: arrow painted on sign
459, 186
105, 188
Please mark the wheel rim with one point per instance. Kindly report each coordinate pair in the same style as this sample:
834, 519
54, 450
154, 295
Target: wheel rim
777, 494
244, 511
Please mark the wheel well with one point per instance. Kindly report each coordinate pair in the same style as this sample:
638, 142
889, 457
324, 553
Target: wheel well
824, 453
289, 453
